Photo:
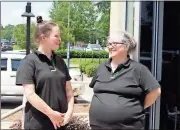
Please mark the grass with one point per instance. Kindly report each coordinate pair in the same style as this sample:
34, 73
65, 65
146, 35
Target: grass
78, 61
16, 47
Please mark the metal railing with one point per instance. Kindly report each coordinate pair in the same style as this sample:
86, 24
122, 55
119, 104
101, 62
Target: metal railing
19, 108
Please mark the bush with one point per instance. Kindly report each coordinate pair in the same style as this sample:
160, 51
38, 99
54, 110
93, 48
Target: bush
62, 53
90, 69
89, 66
84, 65
82, 54
16, 47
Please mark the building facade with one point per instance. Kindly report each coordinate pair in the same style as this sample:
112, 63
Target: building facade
156, 27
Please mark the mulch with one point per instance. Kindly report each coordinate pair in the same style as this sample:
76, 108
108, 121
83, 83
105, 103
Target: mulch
77, 122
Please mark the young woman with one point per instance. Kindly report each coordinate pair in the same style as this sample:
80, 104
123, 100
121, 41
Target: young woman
46, 82
123, 88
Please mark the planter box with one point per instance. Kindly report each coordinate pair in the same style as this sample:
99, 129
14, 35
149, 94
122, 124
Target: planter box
79, 120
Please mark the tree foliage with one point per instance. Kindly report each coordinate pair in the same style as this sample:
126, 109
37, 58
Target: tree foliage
7, 32
82, 18
103, 24
88, 22
20, 35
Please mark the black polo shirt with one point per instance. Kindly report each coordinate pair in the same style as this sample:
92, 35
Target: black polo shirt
118, 98
49, 78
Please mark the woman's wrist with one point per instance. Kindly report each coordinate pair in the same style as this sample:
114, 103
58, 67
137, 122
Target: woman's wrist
48, 112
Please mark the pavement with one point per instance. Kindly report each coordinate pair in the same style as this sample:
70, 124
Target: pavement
88, 92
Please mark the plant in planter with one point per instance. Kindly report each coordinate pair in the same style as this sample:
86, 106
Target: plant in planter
79, 123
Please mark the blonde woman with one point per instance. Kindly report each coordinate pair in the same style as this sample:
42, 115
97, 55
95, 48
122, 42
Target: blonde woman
46, 82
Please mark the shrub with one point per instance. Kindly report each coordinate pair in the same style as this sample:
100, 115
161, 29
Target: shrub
90, 69
83, 66
62, 53
82, 54
16, 47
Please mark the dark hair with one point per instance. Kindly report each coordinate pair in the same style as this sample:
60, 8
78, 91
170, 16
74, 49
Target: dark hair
43, 27
39, 19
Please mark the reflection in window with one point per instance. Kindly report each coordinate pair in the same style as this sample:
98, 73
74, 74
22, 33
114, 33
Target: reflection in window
3, 64
146, 33
15, 64
146, 41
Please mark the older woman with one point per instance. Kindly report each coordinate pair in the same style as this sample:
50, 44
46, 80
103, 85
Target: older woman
122, 87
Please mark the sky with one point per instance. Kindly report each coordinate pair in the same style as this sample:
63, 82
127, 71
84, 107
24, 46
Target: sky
11, 12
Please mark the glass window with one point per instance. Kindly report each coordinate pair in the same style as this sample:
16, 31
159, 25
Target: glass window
146, 41
3, 64
15, 64
146, 33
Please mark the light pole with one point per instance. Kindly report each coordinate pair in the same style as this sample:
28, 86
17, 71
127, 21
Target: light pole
68, 44
28, 14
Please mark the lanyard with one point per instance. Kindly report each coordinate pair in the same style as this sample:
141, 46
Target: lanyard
53, 62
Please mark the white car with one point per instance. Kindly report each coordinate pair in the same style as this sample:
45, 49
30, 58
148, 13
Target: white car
94, 47
10, 62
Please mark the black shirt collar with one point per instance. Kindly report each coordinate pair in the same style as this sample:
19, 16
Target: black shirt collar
39, 54
126, 64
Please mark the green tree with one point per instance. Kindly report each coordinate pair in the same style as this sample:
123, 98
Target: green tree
64, 36
83, 22
7, 32
20, 35
103, 23
59, 14
82, 19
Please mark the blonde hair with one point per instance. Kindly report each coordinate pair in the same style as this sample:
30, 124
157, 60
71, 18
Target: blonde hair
43, 27
123, 37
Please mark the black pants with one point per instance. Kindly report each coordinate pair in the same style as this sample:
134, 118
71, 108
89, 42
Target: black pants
94, 127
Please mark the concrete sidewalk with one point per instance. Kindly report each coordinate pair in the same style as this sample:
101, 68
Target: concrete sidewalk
88, 92
6, 124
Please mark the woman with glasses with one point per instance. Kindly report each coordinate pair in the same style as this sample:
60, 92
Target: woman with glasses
123, 88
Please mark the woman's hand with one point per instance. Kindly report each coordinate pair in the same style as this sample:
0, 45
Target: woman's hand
56, 118
70, 99
67, 118
151, 97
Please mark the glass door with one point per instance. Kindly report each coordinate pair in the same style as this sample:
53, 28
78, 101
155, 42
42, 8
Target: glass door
151, 51
170, 101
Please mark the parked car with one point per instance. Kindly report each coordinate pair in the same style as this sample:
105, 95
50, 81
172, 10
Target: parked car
13, 43
10, 62
94, 47
6, 46
76, 48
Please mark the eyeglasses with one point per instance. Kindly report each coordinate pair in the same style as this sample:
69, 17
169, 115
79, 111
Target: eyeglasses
114, 44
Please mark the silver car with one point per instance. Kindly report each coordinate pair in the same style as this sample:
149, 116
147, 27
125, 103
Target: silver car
94, 47
10, 62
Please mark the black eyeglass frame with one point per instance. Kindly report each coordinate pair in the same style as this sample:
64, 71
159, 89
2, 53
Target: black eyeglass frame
114, 44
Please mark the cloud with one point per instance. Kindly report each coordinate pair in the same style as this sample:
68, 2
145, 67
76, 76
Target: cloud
11, 12
17, 12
